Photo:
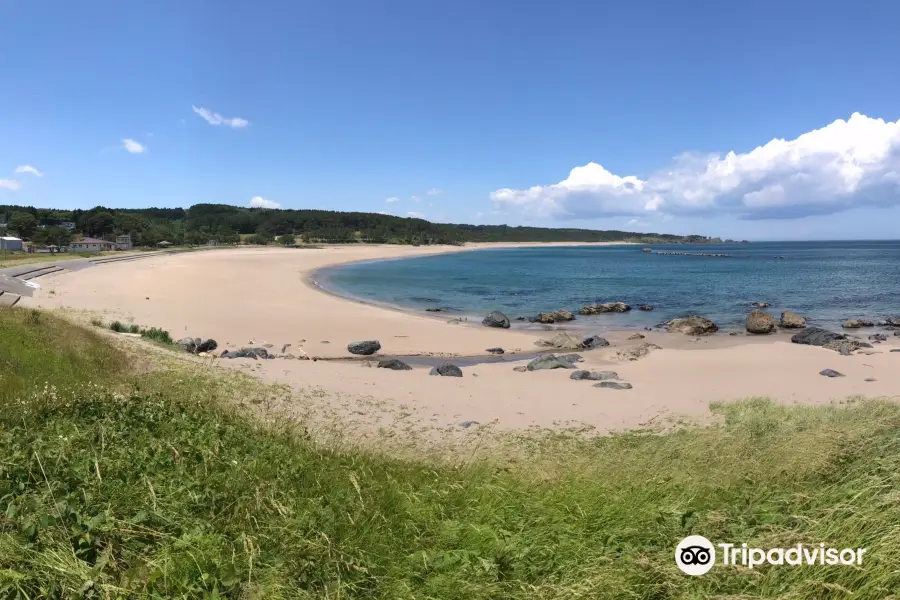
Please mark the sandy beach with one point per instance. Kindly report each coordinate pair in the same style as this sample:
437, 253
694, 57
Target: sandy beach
257, 296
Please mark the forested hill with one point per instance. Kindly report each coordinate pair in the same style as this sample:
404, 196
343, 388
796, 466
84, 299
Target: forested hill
226, 223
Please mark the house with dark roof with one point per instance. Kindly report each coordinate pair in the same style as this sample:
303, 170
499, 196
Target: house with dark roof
91, 245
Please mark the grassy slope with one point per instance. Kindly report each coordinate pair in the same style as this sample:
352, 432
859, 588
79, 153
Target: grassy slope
119, 484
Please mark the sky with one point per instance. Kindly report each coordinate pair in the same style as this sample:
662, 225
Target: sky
757, 120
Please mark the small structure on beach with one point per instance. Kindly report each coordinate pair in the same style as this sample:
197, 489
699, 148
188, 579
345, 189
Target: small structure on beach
212, 242
89, 244
123, 242
10, 244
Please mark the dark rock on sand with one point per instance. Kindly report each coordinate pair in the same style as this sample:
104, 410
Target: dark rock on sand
446, 370
394, 365
842, 347
594, 375
606, 307
467, 424
636, 336
857, 323
207, 346
548, 361
760, 322
557, 316
364, 348
791, 320
895, 349
495, 351
878, 337
816, 336
253, 353
645, 307
434, 310
496, 319
869, 379
692, 325
613, 385
562, 341
595, 341
830, 373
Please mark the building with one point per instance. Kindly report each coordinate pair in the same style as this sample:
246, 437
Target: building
91, 245
212, 243
123, 242
68, 225
11, 244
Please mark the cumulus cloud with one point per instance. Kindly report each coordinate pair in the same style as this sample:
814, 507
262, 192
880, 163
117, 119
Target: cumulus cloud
132, 146
415, 215
843, 165
9, 184
260, 202
392, 199
214, 118
29, 169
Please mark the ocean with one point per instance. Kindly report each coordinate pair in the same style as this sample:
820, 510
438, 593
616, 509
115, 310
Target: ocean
827, 282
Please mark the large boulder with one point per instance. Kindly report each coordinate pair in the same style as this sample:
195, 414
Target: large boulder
606, 307
857, 323
562, 341
594, 341
692, 325
207, 346
548, 361
253, 353
394, 365
759, 321
816, 336
637, 352
446, 370
594, 375
557, 316
791, 320
364, 348
187, 344
892, 321
496, 319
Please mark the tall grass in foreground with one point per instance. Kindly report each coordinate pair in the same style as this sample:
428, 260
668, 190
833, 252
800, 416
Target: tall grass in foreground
115, 484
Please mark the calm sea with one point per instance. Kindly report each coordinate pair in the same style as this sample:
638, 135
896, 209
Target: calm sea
826, 281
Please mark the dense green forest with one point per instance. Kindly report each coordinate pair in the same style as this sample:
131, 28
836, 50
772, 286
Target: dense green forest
226, 224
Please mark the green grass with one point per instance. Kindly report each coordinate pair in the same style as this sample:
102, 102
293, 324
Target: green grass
115, 482
160, 336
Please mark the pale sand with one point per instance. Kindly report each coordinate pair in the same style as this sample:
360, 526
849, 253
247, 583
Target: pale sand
264, 296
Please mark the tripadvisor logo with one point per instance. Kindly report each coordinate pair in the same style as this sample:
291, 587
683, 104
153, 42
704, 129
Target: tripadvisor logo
696, 555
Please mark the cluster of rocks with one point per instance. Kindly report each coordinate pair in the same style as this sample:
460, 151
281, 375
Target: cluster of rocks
839, 342
605, 307
565, 340
557, 316
197, 345
254, 353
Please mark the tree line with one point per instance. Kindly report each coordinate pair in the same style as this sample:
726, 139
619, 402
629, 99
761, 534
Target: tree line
229, 224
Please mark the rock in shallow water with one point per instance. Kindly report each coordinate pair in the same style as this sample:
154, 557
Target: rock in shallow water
364, 348
692, 325
496, 319
446, 370
760, 322
606, 307
613, 385
394, 365
857, 323
557, 316
791, 320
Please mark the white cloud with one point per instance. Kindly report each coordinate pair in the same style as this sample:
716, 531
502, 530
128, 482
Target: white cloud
840, 166
260, 202
392, 199
384, 212
9, 184
433, 192
29, 169
415, 215
132, 146
214, 118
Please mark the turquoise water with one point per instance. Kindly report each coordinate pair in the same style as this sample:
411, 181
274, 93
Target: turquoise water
826, 281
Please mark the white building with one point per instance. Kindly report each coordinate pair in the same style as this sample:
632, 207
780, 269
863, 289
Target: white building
91, 245
123, 242
10, 244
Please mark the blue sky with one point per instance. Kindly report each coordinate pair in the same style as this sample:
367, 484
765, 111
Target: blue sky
487, 105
